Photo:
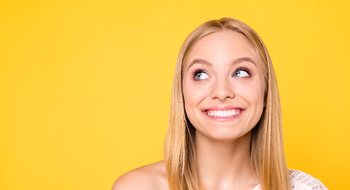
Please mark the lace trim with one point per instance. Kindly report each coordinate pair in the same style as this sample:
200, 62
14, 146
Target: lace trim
302, 181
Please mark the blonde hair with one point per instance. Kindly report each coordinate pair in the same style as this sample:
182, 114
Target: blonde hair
267, 154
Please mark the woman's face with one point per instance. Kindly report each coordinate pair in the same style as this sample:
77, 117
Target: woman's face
223, 86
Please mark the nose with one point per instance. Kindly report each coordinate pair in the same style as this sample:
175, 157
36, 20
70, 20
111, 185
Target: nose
222, 90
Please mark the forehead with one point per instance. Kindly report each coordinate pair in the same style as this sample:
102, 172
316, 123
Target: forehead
222, 46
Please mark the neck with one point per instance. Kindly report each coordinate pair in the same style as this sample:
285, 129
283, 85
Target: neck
225, 164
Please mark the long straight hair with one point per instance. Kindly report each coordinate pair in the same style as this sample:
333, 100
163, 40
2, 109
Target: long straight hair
267, 154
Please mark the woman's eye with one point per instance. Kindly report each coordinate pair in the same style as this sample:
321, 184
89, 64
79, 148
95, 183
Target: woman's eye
200, 75
241, 73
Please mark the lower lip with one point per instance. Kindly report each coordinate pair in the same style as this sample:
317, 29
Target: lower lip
224, 119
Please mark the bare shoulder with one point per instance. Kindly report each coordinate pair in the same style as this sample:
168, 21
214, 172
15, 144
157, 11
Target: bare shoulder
148, 177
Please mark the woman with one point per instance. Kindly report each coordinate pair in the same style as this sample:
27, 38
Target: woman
225, 120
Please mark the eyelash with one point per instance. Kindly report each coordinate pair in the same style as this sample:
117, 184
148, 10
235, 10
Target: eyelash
242, 69
196, 72
237, 70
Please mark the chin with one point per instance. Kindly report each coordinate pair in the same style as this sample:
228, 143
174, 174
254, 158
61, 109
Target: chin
223, 135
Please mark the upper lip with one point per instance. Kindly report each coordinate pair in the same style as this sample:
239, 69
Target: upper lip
223, 108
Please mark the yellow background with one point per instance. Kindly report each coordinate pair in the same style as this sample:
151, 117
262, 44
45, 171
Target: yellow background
85, 85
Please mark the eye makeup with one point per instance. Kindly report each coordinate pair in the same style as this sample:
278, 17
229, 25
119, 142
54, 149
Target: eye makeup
199, 74
241, 72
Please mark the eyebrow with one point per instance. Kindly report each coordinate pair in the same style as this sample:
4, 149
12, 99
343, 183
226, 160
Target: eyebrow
234, 62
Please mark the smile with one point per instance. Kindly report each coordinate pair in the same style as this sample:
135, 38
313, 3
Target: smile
223, 113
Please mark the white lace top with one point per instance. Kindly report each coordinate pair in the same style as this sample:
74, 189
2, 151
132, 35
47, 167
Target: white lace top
302, 181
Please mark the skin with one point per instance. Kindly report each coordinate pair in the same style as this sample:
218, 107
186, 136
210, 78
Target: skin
221, 73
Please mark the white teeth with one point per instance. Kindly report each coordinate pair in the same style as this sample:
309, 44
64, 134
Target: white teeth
223, 113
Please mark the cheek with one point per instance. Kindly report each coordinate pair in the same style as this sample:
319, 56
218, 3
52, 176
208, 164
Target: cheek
194, 93
252, 93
